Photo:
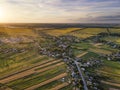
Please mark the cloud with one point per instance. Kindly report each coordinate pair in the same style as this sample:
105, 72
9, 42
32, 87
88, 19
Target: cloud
54, 10
109, 18
99, 19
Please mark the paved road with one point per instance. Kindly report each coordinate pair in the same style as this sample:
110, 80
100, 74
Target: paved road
80, 72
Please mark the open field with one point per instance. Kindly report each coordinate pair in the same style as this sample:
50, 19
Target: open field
60, 86
111, 70
35, 78
23, 67
112, 39
115, 30
69, 87
63, 31
91, 31
20, 62
51, 85
28, 64
17, 31
100, 51
88, 32
48, 81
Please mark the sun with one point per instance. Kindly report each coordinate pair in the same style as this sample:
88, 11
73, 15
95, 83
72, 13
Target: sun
1, 13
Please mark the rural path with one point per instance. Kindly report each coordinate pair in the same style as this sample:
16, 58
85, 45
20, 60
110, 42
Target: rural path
60, 86
47, 81
80, 55
31, 71
97, 44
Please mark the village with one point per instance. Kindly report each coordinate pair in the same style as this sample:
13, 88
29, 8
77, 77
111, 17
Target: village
78, 61
62, 46
59, 44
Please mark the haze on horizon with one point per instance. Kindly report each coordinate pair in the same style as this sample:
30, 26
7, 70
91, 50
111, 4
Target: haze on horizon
59, 11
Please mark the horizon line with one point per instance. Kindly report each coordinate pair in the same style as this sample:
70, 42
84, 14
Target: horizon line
52, 23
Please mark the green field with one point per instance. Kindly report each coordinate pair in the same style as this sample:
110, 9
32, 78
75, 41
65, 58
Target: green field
41, 68
112, 39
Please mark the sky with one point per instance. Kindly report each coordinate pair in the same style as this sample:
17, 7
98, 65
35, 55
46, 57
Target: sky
60, 11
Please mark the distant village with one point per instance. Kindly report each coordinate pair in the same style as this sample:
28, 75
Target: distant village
61, 48
80, 70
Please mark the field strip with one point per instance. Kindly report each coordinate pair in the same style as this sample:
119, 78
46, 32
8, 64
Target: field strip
60, 86
50, 67
100, 51
77, 30
6, 89
117, 75
18, 54
20, 61
27, 56
35, 65
47, 81
17, 76
38, 57
9, 89
44, 65
7, 55
113, 89
97, 44
110, 83
15, 54
82, 54
23, 73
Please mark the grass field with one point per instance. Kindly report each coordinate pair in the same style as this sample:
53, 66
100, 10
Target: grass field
87, 32
100, 51
90, 55
92, 30
50, 85
14, 64
59, 32
24, 70
19, 61
17, 31
111, 70
112, 39
107, 47
36, 78
115, 30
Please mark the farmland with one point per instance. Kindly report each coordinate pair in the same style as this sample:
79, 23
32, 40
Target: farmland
42, 59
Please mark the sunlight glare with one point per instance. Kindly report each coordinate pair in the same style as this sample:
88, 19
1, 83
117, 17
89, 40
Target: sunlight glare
1, 13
